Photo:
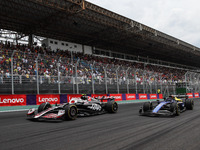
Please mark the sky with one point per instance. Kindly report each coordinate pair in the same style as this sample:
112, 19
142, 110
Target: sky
178, 18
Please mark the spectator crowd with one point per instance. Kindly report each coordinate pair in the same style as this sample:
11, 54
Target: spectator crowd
84, 66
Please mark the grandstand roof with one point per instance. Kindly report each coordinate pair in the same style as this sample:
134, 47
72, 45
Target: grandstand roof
83, 22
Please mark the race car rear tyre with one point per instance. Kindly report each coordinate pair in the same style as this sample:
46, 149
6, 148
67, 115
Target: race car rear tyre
174, 108
44, 106
111, 107
189, 104
71, 112
147, 106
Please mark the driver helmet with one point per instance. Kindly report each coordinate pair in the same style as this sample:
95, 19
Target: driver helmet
84, 97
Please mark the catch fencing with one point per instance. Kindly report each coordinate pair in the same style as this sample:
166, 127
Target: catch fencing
29, 73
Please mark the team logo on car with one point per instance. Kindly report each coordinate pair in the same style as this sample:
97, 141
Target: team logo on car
95, 107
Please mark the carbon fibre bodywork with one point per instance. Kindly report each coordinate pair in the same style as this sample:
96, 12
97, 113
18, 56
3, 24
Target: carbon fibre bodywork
76, 107
171, 106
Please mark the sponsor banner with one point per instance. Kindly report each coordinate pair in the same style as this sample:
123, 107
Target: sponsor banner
153, 96
160, 96
31, 100
70, 96
142, 96
123, 97
63, 98
12, 100
190, 95
118, 97
196, 95
51, 98
130, 96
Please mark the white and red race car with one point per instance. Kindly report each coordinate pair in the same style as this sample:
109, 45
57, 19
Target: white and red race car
76, 107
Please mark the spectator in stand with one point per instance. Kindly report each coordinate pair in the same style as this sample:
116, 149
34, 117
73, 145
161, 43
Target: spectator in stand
24, 63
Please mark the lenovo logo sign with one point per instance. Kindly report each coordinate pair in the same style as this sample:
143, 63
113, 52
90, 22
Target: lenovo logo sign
48, 100
12, 101
142, 96
131, 96
52, 99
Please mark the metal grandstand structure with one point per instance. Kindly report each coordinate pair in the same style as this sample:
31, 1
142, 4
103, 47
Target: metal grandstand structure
83, 22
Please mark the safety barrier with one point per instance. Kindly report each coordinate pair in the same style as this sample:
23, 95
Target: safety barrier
25, 100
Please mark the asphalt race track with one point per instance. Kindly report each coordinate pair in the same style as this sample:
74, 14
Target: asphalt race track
124, 130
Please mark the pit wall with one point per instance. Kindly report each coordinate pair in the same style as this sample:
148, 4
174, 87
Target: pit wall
25, 100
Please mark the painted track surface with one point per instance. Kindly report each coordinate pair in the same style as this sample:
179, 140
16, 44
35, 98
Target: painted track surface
124, 130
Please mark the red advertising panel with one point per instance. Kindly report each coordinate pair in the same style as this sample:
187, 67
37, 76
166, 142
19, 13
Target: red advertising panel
190, 95
12, 100
160, 96
196, 95
142, 96
51, 98
153, 96
118, 97
130, 97
70, 96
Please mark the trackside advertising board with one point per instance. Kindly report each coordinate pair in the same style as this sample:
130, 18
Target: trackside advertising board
118, 97
51, 98
12, 100
70, 96
143, 96
130, 97
160, 96
153, 96
23, 100
190, 95
196, 95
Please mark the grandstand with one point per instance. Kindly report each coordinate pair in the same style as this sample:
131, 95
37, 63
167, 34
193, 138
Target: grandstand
89, 50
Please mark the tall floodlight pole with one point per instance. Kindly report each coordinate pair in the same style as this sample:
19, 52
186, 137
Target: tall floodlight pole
93, 78
12, 71
38, 88
198, 82
77, 90
144, 73
186, 81
105, 72
58, 66
136, 89
127, 80
117, 79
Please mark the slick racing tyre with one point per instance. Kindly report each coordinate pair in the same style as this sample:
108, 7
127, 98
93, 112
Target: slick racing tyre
174, 108
44, 106
71, 112
147, 106
111, 107
189, 104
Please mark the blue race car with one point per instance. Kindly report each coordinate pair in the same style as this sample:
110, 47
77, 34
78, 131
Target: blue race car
171, 106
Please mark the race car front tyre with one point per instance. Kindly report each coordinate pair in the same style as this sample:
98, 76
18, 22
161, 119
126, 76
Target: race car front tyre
189, 104
174, 108
147, 106
111, 107
44, 106
71, 112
